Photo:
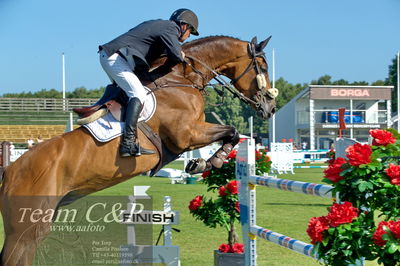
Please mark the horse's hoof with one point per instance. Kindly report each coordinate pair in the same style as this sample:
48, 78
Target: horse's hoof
196, 166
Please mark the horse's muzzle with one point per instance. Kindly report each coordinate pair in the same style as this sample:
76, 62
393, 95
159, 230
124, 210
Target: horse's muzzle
265, 111
265, 103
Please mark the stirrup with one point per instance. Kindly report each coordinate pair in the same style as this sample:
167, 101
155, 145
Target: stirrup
143, 151
133, 149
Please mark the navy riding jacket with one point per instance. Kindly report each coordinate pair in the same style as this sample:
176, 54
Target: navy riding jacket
148, 41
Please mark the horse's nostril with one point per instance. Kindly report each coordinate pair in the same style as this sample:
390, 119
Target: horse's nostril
273, 110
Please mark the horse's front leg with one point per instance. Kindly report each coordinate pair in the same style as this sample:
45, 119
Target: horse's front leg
230, 137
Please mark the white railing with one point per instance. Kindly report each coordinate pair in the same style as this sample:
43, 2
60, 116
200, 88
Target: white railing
43, 104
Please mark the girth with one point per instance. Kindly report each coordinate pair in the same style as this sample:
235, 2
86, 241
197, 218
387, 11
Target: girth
166, 156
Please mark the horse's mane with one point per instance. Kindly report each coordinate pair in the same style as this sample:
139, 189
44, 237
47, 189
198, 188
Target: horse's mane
194, 47
207, 40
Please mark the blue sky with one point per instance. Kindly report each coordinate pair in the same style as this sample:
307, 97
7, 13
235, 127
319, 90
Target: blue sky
350, 39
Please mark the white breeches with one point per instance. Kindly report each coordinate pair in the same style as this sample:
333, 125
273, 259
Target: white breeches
118, 70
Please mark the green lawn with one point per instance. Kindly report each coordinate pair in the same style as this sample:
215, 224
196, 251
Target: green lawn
284, 212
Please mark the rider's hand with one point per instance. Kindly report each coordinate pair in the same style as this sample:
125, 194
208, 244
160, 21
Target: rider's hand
183, 54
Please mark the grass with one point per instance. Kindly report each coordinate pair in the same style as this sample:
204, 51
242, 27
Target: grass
284, 212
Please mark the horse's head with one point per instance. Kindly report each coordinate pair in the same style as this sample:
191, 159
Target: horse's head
250, 76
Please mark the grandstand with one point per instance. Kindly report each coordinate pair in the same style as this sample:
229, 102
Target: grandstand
24, 118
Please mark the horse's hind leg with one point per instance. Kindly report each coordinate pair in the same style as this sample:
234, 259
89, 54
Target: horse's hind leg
25, 228
18, 252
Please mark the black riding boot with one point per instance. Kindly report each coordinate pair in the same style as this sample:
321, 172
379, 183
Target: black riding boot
130, 144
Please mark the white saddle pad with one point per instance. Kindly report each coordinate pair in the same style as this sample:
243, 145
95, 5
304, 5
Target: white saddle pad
107, 127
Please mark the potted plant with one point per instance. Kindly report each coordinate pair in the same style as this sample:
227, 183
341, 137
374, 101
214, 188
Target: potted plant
365, 224
223, 210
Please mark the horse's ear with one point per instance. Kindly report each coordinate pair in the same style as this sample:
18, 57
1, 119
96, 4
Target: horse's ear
262, 44
254, 40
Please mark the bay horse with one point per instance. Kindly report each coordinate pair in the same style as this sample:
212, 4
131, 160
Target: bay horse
67, 167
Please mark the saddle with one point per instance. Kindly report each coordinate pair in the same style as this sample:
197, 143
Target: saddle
112, 93
114, 101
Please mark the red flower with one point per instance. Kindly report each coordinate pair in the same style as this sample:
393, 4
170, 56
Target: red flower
232, 155
316, 227
395, 228
237, 206
382, 137
394, 174
262, 157
195, 203
224, 248
222, 191
206, 174
379, 232
359, 154
232, 187
342, 214
237, 248
335, 168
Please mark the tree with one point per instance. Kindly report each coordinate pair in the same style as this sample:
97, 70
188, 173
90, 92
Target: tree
327, 80
378, 83
82, 92
230, 111
323, 80
392, 80
236, 113
287, 91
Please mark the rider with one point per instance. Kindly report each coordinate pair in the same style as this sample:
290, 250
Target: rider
136, 49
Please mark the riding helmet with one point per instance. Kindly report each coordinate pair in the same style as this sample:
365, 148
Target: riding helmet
184, 15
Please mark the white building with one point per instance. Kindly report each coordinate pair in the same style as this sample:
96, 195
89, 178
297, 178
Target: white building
312, 116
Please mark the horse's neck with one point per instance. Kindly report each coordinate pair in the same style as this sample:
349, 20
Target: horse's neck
209, 56
217, 56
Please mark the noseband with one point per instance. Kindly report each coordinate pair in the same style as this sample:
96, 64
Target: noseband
261, 97
261, 81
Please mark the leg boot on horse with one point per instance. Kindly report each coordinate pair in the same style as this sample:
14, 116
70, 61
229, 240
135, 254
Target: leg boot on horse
199, 165
130, 143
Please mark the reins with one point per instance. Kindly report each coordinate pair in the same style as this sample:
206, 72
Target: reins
218, 77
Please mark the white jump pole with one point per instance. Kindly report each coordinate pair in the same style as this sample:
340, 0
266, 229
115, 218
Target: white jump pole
250, 120
398, 91
273, 86
63, 81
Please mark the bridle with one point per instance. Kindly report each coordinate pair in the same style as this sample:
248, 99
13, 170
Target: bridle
261, 97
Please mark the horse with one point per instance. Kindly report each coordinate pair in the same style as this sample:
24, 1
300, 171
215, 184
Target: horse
70, 166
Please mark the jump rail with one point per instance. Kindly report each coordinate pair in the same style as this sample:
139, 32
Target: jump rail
310, 166
245, 169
